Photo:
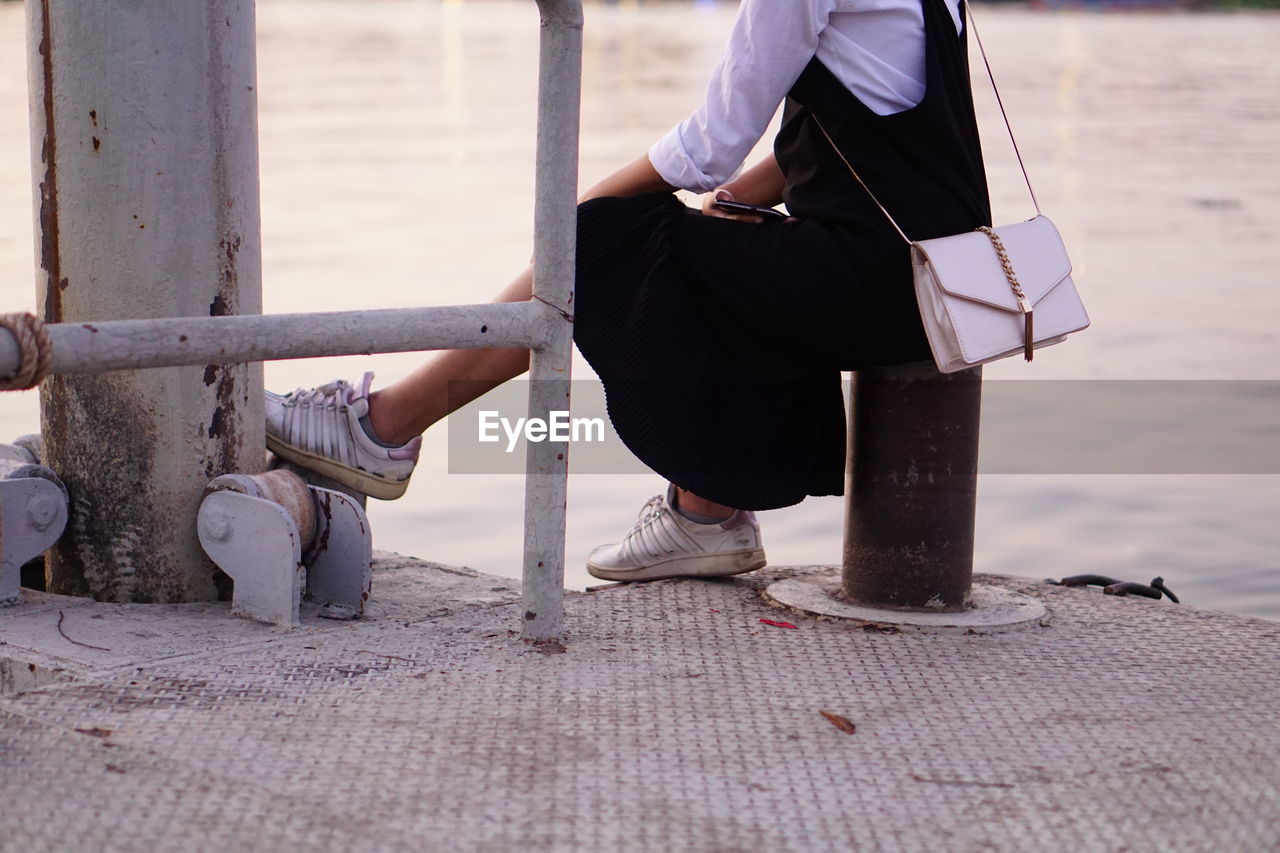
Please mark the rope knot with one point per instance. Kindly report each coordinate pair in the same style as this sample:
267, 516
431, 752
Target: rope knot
35, 351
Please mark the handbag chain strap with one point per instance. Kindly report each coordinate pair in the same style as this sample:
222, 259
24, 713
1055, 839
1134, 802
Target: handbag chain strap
1024, 304
999, 101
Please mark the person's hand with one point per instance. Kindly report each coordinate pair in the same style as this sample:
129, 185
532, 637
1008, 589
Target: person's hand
723, 194
709, 200
715, 204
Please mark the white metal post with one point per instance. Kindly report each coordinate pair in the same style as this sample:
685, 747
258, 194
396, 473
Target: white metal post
555, 240
144, 154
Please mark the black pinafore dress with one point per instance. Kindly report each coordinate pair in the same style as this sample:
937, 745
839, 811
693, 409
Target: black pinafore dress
720, 343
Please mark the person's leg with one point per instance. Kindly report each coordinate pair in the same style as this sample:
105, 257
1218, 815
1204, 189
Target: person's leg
701, 507
336, 430
405, 409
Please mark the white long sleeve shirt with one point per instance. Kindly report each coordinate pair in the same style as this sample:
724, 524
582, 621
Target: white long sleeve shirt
874, 47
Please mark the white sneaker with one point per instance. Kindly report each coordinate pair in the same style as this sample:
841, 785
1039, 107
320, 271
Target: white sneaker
665, 544
319, 429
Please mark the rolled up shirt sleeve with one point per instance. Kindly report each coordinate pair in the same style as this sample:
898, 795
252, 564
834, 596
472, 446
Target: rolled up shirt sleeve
771, 43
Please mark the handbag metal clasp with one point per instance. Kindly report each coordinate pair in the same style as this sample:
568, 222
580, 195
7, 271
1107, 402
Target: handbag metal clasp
1025, 305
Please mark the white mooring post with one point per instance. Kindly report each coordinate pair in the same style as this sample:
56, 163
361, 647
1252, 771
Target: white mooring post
144, 153
555, 241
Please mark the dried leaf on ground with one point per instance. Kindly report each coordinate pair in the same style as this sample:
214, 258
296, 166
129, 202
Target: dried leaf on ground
844, 724
96, 731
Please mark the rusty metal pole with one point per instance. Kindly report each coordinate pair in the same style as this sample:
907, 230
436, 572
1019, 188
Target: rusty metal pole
145, 166
911, 488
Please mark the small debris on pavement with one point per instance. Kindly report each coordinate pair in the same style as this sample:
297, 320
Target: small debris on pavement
61, 617
844, 724
95, 732
777, 624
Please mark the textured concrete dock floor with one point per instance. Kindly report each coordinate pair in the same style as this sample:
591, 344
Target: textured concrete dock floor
673, 720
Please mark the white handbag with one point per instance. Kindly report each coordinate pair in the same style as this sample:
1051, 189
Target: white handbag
993, 292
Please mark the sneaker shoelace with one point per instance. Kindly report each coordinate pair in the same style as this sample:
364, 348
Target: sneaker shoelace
648, 538
336, 393
309, 419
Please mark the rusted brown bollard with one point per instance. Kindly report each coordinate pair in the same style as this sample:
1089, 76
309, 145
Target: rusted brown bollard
911, 488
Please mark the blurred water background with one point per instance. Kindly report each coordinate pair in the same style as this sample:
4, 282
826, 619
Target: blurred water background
397, 168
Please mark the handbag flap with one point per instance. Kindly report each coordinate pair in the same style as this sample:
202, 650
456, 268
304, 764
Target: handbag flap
967, 266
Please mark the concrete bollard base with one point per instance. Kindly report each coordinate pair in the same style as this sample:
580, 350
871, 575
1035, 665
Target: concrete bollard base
992, 609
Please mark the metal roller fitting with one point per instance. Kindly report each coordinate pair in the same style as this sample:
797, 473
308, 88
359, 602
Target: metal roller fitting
33, 515
256, 543
33, 444
277, 537
18, 453
283, 488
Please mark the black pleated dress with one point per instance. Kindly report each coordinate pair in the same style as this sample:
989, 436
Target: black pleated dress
720, 343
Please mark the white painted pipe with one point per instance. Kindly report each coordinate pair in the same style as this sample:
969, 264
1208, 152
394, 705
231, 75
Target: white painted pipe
126, 344
555, 242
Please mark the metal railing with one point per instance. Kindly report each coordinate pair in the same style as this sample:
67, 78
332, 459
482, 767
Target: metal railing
911, 488
544, 324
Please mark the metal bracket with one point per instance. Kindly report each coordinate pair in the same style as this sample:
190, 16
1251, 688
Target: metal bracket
258, 545
340, 561
33, 515
257, 542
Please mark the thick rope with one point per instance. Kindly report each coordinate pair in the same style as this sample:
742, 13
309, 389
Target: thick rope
34, 348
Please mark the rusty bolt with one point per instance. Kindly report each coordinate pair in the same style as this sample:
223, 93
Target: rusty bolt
42, 511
